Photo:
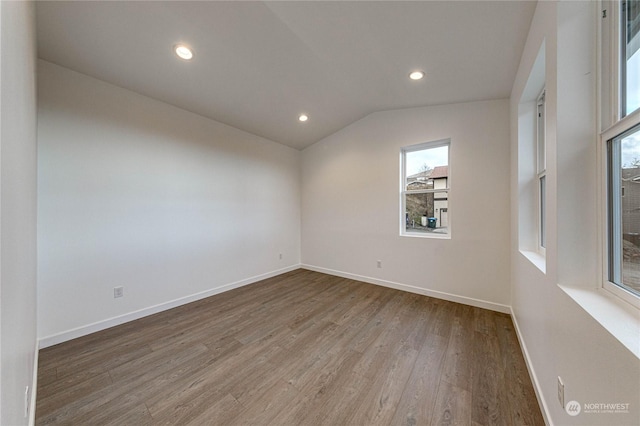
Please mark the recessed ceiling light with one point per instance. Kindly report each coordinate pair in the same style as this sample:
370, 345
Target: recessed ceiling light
303, 117
416, 75
183, 51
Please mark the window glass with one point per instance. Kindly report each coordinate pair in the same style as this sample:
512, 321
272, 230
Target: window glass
630, 56
425, 189
542, 171
624, 210
543, 215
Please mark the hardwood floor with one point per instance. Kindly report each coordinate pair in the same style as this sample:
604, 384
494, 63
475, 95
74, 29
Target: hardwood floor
302, 348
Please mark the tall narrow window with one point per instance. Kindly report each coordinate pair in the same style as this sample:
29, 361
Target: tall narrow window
425, 190
629, 56
623, 176
620, 139
541, 170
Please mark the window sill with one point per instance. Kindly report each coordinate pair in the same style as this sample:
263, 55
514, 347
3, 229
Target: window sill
619, 318
427, 235
537, 259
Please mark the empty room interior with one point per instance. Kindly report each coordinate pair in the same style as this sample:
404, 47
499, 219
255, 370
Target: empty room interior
340, 213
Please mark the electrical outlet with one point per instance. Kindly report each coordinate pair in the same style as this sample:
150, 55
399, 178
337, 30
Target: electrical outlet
560, 391
379, 263
280, 256
118, 292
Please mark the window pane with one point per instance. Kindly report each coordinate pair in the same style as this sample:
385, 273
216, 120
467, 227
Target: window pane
625, 209
540, 135
425, 189
630, 55
543, 216
422, 166
427, 213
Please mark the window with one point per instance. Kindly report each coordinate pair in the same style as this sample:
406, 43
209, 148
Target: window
623, 207
541, 169
629, 56
425, 190
620, 101
532, 165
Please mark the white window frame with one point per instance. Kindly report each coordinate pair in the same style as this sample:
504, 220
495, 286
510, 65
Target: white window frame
612, 125
541, 170
608, 227
404, 192
611, 47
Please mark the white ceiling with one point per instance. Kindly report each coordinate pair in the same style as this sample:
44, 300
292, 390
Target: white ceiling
258, 65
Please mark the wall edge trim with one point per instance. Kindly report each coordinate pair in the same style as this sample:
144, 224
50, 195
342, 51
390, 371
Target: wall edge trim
34, 386
532, 373
505, 309
74, 333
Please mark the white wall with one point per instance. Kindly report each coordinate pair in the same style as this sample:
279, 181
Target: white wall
559, 336
17, 208
133, 192
351, 203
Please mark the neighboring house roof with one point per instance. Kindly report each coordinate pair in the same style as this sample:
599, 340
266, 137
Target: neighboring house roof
419, 176
631, 174
419, 184
439, 172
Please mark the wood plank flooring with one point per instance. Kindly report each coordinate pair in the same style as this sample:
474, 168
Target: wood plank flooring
302, 348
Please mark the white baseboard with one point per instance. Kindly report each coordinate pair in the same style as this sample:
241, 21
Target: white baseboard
532, 373
34, 387
505, 309
121, 319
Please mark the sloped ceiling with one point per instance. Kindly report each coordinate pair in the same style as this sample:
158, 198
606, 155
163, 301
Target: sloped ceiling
258, 65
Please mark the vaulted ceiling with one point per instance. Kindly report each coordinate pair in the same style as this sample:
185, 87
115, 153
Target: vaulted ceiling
258, 65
